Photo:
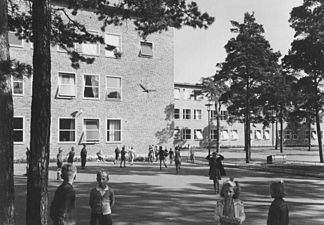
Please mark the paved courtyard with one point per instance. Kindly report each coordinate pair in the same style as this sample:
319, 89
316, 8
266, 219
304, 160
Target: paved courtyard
146, 195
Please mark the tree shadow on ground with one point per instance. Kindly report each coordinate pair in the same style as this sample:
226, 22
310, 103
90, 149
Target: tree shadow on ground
146, 195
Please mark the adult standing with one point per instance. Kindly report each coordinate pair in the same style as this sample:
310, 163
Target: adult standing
117, 152
215, 164
71, 155
59, 163
177, 158
123, 157
131, 154
83, 156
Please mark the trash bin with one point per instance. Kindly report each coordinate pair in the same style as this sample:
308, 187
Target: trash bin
269, 159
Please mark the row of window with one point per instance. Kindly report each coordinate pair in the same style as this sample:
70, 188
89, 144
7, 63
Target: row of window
197, 114
67, 130
91, 86
113, 40
186, 134
292, 135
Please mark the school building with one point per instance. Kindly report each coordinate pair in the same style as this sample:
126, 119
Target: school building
194, 120
113, 102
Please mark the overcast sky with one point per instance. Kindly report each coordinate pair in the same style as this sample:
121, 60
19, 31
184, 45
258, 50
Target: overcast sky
197, 51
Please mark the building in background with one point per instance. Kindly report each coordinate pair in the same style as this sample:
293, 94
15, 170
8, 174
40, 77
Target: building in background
191, 124
113, 102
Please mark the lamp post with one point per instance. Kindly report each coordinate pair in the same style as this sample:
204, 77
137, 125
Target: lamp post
208, 111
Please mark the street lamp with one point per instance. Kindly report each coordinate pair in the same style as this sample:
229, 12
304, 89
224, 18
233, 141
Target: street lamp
208, 111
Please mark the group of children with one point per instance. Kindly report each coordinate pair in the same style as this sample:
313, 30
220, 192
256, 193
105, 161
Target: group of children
230, 210
101, 199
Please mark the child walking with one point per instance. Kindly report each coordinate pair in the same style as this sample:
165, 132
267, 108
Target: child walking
278, 211
102, 199
63, 205
229, 210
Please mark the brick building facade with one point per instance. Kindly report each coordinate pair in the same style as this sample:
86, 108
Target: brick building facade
104, 104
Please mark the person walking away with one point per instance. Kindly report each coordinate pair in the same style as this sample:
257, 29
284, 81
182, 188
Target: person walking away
214, 170
162, 157
156, 152
151, 154
71, 155
83, 156
278, 212
171, 156
117, 152
131, 154
177, 158
123, 157
102, 200
59, 163
230, 209
63, 204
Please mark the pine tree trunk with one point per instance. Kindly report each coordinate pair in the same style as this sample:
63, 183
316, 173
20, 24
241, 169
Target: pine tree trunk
217, 127
247, 143
7, 208
319, 136
37, 193
281, 128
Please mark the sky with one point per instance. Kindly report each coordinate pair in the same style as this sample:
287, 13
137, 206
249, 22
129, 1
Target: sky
197, 51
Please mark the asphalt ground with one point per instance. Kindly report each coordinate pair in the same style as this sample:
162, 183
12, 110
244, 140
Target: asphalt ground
147, 195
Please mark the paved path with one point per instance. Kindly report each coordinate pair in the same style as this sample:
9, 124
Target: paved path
148, 196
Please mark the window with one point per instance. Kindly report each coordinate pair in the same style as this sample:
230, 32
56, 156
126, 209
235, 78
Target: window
224, 115
176, 93
234, 135
14, 40
67, 85
18, 130
213, 114
186, 114
213, 134
266, 134
294, 135
224, 135
17, 86
90, 48
66, 130
91, 86
198, 134
186, 134
314, 135
197, 114
113, 130
114, 41
176, 134
287, 134
257, 135
146, 49
91, 130
113, 87
306, 134
185, 94
177, 114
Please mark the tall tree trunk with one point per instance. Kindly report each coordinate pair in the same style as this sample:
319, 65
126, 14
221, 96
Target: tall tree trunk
217, 108
37, 195
319, 135
276, 143
281, 135
247, 144
7, 208
309, 136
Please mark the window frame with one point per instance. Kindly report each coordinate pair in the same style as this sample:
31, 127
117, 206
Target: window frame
195, 135
14, 45
121, 129
174, 93
185, 114
232, 136
59, 85
106, 88
146, 55
12, 85
94, 32
185, 135
23, 130
84, 86
213, 134
174, 113
58, 129
177, 134
119, 47
224, 115
85, 133
199, 115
